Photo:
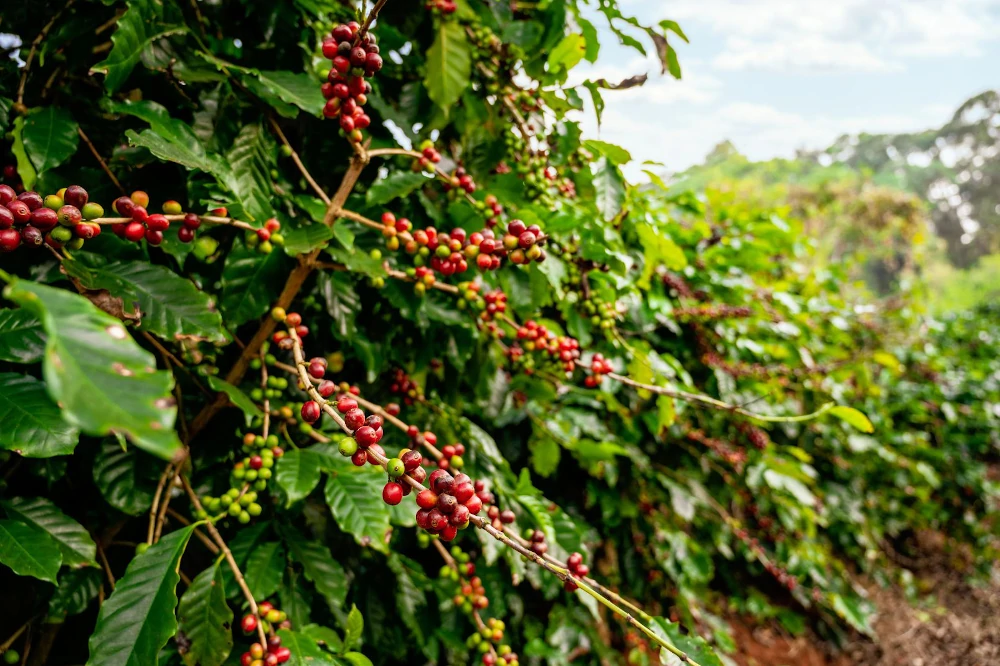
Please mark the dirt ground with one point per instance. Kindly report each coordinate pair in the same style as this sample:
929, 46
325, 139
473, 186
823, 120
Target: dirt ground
954, 623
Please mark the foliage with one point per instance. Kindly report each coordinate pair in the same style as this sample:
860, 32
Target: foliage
662, 392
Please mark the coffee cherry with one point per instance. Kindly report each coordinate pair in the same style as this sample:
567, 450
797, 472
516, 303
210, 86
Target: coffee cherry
69, 216
310, 412
427, 499
92, 211
366, 436
140, 198
249, 623
157, 222
10, 239
32, 199
395, 468
354, 419
75, 196
123, 206
135, 231
348, 447
392, 493
154, 237
42, 218
185, 234
11, 656
411, 460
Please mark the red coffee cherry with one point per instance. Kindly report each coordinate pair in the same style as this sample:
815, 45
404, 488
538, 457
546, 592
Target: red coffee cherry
310, 411
392, 493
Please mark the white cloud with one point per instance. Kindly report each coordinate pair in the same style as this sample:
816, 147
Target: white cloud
860, 35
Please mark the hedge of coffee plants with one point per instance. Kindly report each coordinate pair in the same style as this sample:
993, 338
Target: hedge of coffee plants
326, 338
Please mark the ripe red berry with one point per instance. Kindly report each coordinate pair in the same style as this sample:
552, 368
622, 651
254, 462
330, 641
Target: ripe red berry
365, 436
427, 499
464, 492
157, 222
326, 388
154, 237
475, 505
346, 404
249, 623
316, 370
310, 411
191, 221
293, 319
256, 462
263, 235
185, 234
134, 231
123, 206
354, 419
460, 516
139, 214
392, 493
10, 239
20, 211
411, 460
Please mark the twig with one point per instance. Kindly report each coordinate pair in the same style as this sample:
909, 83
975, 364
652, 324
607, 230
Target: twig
10, 641
107, 567
298, 162
371, 17
198, 533
151, 531
34, 48
163, 508
220, 542
210, 219
104, 165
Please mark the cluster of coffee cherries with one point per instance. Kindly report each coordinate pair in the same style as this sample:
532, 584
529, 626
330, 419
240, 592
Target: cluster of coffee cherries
274, 652
602, 313
448, 504
784, 578
758, 438
406, 464
402, 384
599, 366
460, 180
293, 320
248, 477
265, 238
346, 90
576, 568
57, 220
443, 7
734, 455
492, 633
561, 350
143, 224
713, 312
429, 156
471, 595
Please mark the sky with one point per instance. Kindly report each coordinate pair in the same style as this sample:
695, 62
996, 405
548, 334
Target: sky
773, 76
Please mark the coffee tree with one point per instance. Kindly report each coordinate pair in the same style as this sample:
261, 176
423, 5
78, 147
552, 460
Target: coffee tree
328, 339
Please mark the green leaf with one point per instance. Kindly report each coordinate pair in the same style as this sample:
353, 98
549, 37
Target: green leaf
660, 250
856, 612
244, 543
615, 154
24, 167
449, 65
248, 177
22, 339
250, 283
304, 650
674, 27
354, 628
853, 417
124, 478
33, 426
567, 54
78, 549
144, 22
326, 573
324, 636
50, 137
410, 597
237, 397
354, 495
77, 589
545, 455
103, 381
307, 238
297, 89
342, 303
297, 472
206, 619
263, 569
610, 188
396, 185
29, 550
137, 620
356, 659
692, 645
172, 306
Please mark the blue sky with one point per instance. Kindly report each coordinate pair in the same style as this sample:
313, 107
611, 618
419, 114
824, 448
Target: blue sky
776, 75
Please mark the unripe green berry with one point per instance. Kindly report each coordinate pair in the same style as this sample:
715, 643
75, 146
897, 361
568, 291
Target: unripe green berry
254, 509
243, 518
234, 509
348, 447
395, 468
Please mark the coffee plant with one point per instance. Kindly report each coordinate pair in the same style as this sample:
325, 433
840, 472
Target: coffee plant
326, 338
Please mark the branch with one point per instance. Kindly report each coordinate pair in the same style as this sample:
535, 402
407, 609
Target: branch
371, 17
104, 165
237, 574
211, 219
298, 162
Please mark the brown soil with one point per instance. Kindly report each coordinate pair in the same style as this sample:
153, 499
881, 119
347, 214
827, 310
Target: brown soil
954, 622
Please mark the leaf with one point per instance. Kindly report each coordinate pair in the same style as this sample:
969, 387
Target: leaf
33, 426
304, 650
22, 339
103, 381
29, 550
297, 89
297, 472
77, 589
449, 65
249, 161
119, 475
354, 496
138, 618
172, 306
396, 185
326, 573
567, 54
610, 188
354, 628
660, 250
324, 636
263, 569
307, 238
857, 612
853, 417
250, 283
25, 169
674, 27
78, 548
356, 659
143, 23
410, 597
342, 303
50, 137
615, 154
205, 619
237, 397
692, 645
